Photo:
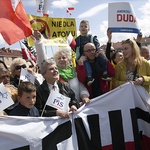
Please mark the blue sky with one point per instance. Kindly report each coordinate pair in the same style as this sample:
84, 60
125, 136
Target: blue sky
96, 12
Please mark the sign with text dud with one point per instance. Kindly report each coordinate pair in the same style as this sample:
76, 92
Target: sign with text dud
121, 18
58, 101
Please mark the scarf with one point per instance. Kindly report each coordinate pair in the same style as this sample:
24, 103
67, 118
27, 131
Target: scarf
68, 73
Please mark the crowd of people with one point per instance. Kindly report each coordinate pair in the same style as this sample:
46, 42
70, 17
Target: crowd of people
97, 72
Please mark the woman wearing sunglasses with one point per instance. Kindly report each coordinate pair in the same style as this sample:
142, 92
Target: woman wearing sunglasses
15, 69
133, 67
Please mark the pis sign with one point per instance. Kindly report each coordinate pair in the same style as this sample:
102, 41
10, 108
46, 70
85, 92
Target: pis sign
58, 101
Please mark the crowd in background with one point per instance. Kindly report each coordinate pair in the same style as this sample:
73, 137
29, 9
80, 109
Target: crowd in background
97, 72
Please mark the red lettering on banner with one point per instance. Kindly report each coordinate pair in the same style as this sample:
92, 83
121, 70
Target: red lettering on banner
125, 18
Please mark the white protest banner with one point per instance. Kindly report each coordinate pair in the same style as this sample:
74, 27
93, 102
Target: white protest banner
117, 120
58, 101
121, 18
5, 98
26, 76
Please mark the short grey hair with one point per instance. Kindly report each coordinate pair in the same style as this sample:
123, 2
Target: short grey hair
63, 51
45, 63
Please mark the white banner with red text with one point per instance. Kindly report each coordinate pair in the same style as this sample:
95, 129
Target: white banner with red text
121, 18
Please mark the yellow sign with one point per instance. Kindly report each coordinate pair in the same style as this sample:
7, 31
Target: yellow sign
54, 30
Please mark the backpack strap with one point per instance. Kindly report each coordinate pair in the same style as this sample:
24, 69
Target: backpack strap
78, 48
91, 38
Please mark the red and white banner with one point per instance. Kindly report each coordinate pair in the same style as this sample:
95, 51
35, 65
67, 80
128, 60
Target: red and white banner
121, 18
117, 120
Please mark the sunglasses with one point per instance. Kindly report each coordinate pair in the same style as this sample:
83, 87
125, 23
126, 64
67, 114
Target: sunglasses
19, 67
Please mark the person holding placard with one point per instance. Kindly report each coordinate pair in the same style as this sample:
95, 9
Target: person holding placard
51, 83
67, 72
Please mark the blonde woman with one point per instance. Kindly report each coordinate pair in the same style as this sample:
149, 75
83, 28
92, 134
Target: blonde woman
15, 69
133, 67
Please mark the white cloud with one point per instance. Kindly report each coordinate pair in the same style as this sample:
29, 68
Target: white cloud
2, 41
143, 21
63, 3
93, 11
29, 4
145, 8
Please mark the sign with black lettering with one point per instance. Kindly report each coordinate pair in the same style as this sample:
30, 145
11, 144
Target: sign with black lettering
53, 28
107, 122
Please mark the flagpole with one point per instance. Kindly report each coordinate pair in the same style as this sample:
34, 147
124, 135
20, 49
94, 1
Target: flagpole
43, 110
52, 50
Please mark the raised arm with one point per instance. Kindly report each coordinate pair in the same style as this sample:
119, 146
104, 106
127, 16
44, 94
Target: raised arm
108, 47
40, 49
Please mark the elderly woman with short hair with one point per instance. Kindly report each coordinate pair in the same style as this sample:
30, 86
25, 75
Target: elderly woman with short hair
67, 73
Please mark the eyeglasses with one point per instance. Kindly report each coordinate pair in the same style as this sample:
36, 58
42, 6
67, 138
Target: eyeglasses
19, 67
90, 50
4, 76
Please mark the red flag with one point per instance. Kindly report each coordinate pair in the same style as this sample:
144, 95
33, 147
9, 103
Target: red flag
14, 25
26, 53
70, 8
71, 41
